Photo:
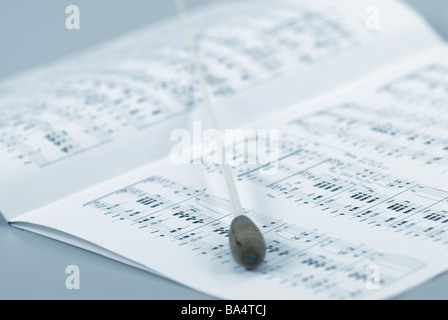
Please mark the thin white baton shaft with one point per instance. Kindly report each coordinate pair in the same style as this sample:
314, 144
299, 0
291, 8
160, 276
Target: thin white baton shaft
233, 192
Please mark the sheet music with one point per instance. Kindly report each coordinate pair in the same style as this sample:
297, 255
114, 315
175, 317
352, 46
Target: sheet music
366, 191
103, 104
83, 106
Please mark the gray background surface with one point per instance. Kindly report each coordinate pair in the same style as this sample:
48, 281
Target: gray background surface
32, 266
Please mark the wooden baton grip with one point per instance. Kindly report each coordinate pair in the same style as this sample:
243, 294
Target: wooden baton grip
246, 242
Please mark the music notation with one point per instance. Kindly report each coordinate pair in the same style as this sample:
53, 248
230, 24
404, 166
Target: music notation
394, 133
345, 186
335, 160
86, 112
298, 258
426, 86
89, 100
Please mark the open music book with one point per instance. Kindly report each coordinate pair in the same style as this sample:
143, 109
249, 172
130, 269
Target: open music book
351, 196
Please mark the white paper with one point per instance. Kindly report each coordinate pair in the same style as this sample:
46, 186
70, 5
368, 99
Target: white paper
90, 117
360, 191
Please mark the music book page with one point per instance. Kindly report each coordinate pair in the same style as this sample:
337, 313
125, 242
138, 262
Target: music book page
353, 205
95, 115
